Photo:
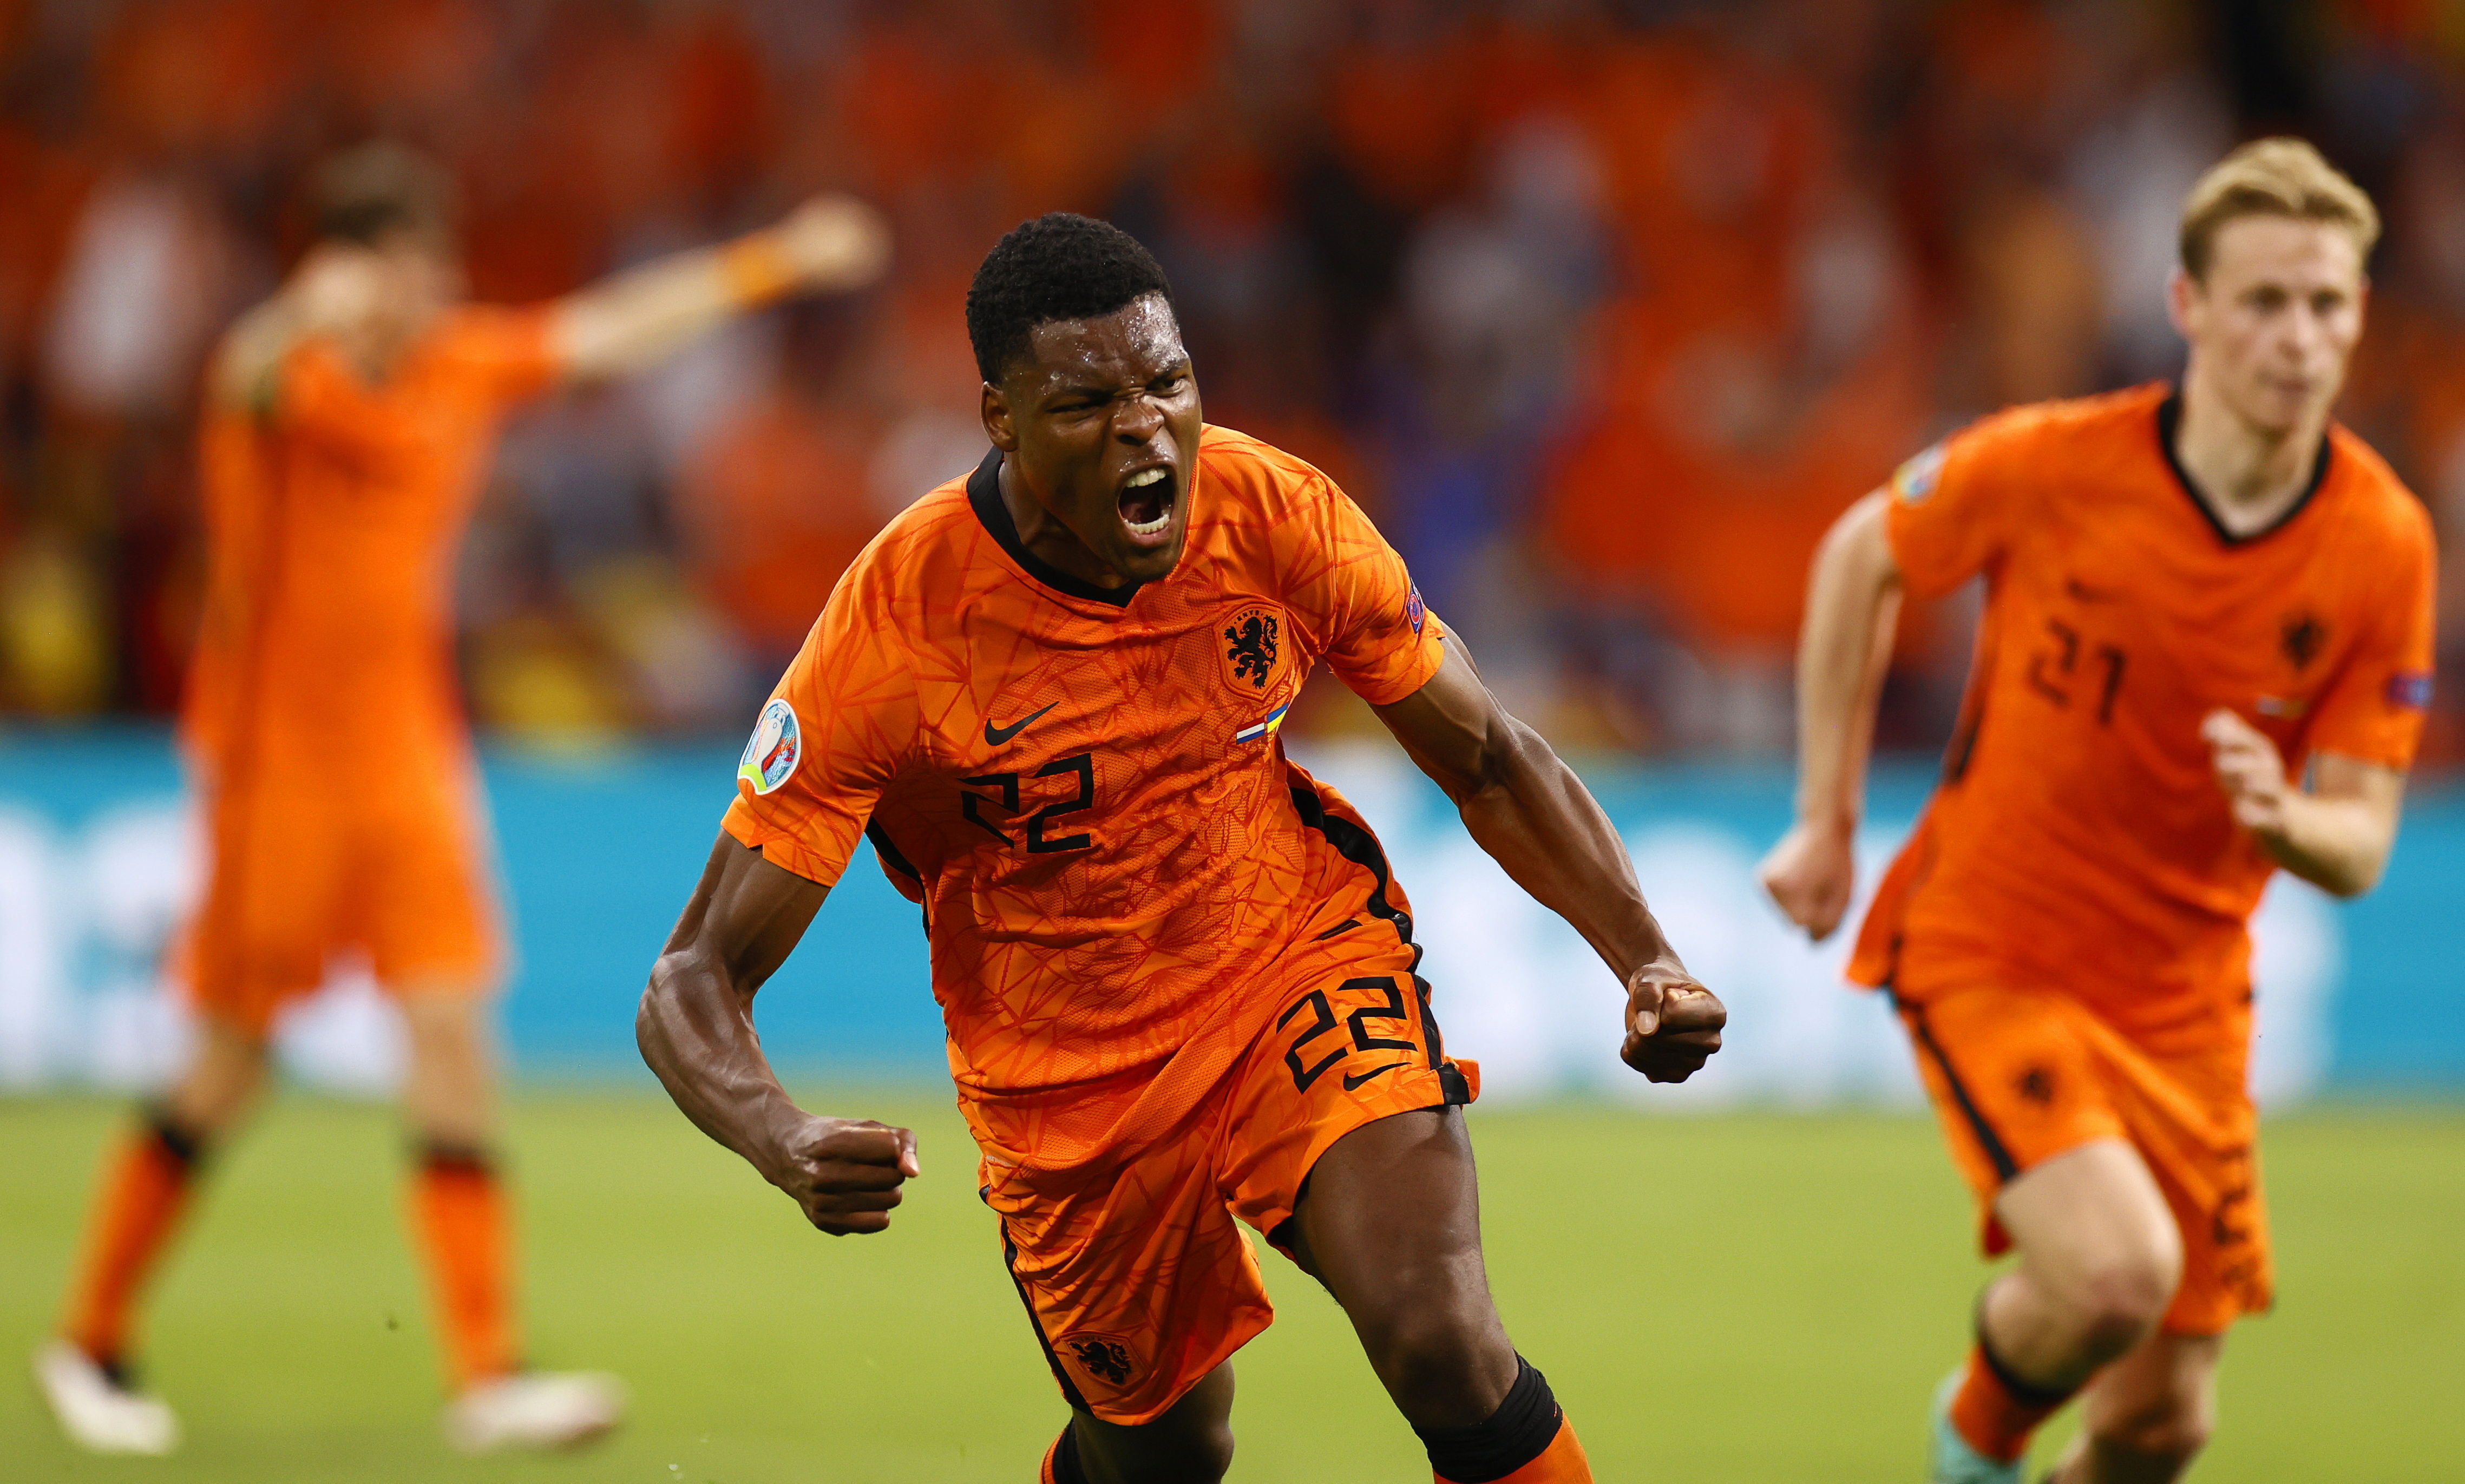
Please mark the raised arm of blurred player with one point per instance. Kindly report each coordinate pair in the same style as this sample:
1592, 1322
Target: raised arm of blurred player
1853, 602
1536, 819
624, 322
696, 1030
361, 298
2335, 834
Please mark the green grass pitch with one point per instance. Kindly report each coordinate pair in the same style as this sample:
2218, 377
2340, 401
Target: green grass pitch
1749, 1297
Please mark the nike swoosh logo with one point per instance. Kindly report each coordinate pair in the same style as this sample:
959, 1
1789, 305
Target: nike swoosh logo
996, 736
1352, 1081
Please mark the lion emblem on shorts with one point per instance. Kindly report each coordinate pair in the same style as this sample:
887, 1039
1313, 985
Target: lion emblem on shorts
1107, 1360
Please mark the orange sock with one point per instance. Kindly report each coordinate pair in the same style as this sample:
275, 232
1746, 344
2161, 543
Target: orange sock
460, 1215
1996, 1410
140, 1206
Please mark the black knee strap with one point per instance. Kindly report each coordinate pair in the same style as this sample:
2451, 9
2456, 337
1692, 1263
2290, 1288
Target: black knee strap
439, 1156
2026, 1392
185, 1145
1521, 1430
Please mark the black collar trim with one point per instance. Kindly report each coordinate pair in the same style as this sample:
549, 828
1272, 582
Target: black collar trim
983, 493
2169, 419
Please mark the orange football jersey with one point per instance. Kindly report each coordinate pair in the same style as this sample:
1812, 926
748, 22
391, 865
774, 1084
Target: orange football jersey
331, 519
2078, 839
1084, 786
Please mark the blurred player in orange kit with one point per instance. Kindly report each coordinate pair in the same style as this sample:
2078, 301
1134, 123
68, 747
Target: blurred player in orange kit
2206, 655
349, 426
1178, 977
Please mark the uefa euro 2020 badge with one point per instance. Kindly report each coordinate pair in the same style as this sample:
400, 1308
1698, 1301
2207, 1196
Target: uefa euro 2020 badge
778, 744
1915, 481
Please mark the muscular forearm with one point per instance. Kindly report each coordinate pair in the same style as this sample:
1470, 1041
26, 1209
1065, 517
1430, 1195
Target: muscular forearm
634, 319
1851, 606
2337, 845
1539, 821
696, 1030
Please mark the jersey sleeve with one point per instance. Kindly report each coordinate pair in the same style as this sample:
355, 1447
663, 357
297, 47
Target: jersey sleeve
2375, 710
509, 352
1956, 507
1356, 600
841, 722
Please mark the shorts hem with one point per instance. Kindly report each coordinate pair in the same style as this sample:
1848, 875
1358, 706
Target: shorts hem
1237, 1335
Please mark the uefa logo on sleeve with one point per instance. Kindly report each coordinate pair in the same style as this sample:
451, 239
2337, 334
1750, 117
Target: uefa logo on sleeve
1915, 481
770, 758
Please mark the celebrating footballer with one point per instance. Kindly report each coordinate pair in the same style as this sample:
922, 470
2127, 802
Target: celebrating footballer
1177, 972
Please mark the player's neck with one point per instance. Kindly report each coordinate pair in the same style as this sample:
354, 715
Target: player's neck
1052, 542
2248, 475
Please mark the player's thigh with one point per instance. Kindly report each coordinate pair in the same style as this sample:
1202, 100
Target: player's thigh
1347, 1147
1391, 1220
2159, 1400
2093, 1225
1390, 1223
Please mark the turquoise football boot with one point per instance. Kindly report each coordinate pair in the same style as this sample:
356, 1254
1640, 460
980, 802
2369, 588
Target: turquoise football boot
1952, 1460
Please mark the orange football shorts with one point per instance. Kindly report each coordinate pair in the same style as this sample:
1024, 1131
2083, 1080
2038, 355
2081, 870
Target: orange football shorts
1121, 1201
299, 876
2020, 1076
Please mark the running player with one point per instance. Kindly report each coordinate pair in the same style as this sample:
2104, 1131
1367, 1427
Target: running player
348, 427
2205, 656
1177, 974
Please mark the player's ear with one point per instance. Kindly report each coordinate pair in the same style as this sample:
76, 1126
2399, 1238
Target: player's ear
2183, 293
999, 424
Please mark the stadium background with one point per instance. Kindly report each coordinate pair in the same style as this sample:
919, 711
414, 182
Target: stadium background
1603, 310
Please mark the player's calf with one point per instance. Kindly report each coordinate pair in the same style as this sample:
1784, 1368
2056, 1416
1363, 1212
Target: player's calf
2147, 1415
1392, 1226
2149, 1450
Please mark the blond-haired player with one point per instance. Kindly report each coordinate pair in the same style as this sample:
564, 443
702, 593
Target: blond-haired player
2205, 656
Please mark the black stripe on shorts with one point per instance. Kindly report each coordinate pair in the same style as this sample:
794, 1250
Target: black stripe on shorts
2004, 1166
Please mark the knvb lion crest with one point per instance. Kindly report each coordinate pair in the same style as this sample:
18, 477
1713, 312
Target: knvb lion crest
1253, 643
1107, 1360
2302, 637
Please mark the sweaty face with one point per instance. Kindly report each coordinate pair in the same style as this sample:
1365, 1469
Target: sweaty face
2276, 319
1100, 425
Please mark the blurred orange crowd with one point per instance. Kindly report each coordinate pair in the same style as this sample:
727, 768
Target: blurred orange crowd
1604, 310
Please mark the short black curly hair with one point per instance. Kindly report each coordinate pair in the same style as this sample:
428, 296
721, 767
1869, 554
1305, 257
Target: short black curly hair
1058, 266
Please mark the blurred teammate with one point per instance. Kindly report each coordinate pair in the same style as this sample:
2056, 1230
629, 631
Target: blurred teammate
349, 426
1177, 975
2206, 655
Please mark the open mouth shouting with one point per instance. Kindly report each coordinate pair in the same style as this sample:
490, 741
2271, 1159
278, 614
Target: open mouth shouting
1147, 502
